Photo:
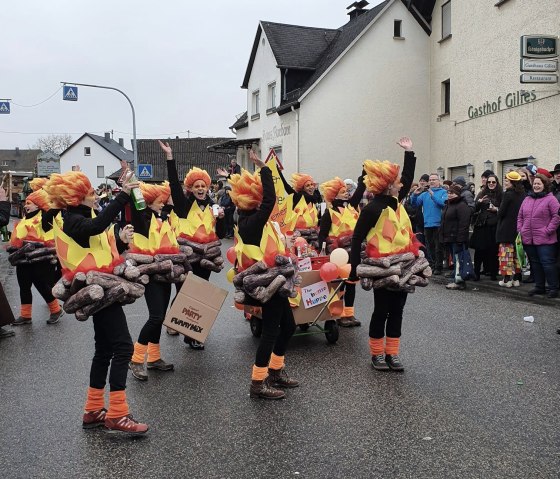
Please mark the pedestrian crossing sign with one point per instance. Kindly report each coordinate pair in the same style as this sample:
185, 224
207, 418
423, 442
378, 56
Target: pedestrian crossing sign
70, 93
145, 172
4, 107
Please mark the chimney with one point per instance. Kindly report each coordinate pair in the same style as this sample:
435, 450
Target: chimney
359, 9
121, 142
17, 151
108, 137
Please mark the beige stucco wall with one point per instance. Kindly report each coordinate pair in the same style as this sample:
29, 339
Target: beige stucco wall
482, 62
377, 93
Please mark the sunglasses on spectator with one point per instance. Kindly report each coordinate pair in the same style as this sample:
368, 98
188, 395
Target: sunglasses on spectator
491, 182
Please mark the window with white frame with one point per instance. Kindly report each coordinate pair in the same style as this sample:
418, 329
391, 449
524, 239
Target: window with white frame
101, 172
271, 96
87, 151
255, 108
446, 20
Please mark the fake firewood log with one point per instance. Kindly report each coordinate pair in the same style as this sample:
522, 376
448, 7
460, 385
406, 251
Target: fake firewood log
34, 244
140, 258
41, 252
281, 260
59, 291
413, 280
386, 282
288, 289
264, 279
86, 296
187, 250
144, 279
380, 262
366, 271
80, 315
40, 259
219, 261
213, 253
401, 258
427, 272
132, 273
178, 270
105, 280
66, 282
421, 282
119, 269
199, 248
263, 294
194, 258
161, 267
160, 278
187, 266
256, 268
239, 296
207, 264
307, 231
11, 249
367, 283
78, 282
136, 290
128, 300
406, 288
112, 295
415, 267
177, 258
19, 254
298, 279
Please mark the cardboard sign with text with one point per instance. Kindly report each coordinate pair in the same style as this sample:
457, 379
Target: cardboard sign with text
196, 307
314, 294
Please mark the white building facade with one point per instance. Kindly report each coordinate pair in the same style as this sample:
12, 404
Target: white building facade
423, 69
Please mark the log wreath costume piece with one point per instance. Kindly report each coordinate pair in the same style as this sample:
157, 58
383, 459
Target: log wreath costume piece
336, 229
265, 277
33, 254
392, 265
91, 285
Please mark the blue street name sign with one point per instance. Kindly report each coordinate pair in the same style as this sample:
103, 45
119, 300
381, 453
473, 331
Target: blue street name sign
4, 107
145, 172
70, 93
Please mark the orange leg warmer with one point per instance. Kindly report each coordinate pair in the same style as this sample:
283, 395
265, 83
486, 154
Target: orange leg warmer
153, 352
348, 311
95, 399
139, 355
54, 306
259, 374
276, 362
118, 407
376, 346
392, 346
25, 311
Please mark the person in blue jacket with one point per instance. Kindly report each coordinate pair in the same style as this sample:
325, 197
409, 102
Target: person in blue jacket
432, 202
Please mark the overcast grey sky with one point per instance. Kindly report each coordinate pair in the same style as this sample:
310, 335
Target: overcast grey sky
180, 62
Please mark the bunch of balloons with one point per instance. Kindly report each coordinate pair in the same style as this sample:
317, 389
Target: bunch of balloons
337, 267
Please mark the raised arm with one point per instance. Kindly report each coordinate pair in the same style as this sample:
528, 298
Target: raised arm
179, 200
287, 185
359, 193
407, 175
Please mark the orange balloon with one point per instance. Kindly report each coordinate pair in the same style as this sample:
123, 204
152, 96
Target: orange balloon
230, 255
239, 306
328, 272
300, 241
344, 270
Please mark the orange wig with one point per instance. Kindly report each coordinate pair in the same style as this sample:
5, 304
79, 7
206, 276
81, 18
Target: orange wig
380, 175
40, 198
299, 181
195, 174
330, 189
246, 190
152, 192
37, 183
69, 189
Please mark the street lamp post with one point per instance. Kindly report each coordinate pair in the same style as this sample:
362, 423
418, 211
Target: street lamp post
134, 148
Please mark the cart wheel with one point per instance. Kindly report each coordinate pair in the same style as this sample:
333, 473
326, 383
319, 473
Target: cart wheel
256, 326
304, 327
331, 331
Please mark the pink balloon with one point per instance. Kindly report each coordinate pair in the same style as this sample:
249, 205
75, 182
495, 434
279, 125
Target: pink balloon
230, 255
328, 272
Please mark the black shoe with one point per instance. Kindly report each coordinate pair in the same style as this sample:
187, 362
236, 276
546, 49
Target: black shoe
535, 291
160, 365
378, 362
552, 294
437, 272
530, 279
21, 321
55, 317
6, 333
394, 362
194, 344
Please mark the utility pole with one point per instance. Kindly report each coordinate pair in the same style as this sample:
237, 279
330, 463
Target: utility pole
134, 148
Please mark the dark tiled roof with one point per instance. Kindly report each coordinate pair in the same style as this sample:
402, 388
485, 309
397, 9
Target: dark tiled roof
18, 160
188, 152
112, 146
241, 122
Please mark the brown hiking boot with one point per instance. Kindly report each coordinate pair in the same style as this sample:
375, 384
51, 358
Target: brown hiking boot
261, 389
345, 322
278, 378
354, 321
94, 419
160, 365
138, 371
125, 424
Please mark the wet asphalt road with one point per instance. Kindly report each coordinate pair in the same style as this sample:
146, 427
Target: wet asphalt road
479, 398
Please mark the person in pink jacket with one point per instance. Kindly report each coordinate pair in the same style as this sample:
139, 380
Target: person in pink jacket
537, 222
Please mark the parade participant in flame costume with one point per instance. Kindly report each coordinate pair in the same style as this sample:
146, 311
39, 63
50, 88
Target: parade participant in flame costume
113, 345
254, 196
36, 226
383, 180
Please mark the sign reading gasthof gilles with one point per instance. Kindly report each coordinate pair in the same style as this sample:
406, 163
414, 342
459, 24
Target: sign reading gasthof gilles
539, 46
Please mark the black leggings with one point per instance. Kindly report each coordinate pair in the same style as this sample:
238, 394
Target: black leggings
487, 257
157, 298
349, 290
113, 347
278, 326
387, 313
201, 272
41, 275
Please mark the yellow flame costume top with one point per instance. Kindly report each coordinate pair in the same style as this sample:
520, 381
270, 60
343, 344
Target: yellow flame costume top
199, 225
161, 239
343, 221
270, 246
31, 229
302, 216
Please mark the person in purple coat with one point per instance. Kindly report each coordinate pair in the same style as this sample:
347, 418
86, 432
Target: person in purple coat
537, 222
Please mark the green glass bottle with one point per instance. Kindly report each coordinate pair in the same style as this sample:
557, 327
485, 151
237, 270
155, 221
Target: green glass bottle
137, 197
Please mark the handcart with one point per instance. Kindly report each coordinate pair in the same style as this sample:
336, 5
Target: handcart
307, 319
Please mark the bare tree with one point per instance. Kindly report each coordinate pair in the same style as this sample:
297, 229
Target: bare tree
54, 143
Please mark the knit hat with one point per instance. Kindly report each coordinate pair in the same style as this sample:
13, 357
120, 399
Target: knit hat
455, 189
487, 173
513, 176
543, 171
460, 180
425, 177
